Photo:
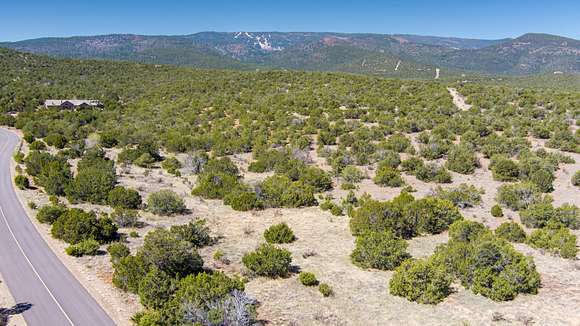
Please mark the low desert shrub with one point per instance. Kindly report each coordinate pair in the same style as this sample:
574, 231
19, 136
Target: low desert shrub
352, 174
172, 165
118, 250
389, 177
380, 250
576, 179
124, 198
496, 211
279, 233
129, 271
511, 231
196, 233
462, 159
125, 217
556, 238
76, 225
165, 202
87, 247
504, 169
462, 196
268, 260
487, 264
50, 213
243, 201
325, 290
519, 195
540, 214
432, 173
421, 281
307, 279
21, 182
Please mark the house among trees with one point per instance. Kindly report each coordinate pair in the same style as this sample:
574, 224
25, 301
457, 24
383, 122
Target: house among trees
72, 104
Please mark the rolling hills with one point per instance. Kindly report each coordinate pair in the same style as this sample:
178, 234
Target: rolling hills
396, 55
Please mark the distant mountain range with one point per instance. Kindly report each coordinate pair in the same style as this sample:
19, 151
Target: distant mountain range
393, 55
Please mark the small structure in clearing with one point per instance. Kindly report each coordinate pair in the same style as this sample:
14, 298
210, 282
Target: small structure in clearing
72, 104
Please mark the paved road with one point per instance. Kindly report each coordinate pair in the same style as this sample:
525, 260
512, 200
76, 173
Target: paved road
32, 272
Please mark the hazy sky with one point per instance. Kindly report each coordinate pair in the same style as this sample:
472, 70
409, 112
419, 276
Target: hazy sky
22, 19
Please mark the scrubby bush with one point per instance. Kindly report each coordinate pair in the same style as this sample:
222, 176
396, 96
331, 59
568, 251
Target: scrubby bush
389, 177
49, 214
421, 281
307, 279
462, 159
462, 196
57, 140
118, 250
37, 145
380, 250
576, 179
466, 231
19, 157
196, 233
170, 254
87, 247
172, 165
398, 143
280, 191
94, 180
432, 173
496, 211
145, 154
125, 217
76, 225
268, 260
486, 264
511, 231
210, 299
124, 198
216, 185
325, 290
243, 201
404, 216
279, 233
412, 164
433, 215
504, 169
129, 271
165, 202
352, 174
156, 288
389, 159
537, 215
544, 179
556, 238
519, 195
21, 182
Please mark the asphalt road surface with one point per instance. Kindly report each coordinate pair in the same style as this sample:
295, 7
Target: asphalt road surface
32, 272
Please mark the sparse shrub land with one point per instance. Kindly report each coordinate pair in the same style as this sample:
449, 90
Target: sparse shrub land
270, 145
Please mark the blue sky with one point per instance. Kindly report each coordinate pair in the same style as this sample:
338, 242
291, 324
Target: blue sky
22, 19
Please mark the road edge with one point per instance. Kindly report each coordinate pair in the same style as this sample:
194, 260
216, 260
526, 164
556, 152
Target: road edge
66, 260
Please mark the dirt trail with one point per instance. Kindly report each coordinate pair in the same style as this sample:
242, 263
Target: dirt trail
458, 99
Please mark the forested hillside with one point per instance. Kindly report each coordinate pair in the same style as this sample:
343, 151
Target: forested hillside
407, 56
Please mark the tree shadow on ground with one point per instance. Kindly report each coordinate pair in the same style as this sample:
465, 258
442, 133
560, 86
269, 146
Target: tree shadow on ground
17, 309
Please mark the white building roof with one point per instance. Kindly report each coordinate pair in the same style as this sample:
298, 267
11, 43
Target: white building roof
73, 102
